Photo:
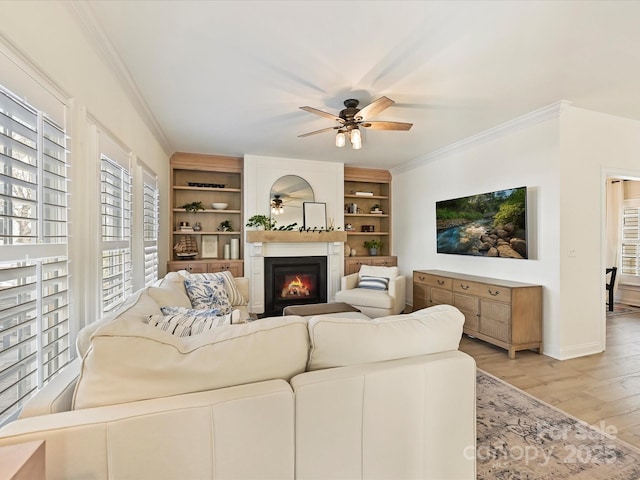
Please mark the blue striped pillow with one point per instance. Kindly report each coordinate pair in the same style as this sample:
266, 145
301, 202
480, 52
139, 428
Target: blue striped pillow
373, 283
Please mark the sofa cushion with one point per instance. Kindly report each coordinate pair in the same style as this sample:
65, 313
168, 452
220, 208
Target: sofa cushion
337, 342
373, 283
208, 294
233, 292
136, 307
131, 360
378, 271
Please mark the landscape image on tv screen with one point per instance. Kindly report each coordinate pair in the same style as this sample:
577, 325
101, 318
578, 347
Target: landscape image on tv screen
489, 225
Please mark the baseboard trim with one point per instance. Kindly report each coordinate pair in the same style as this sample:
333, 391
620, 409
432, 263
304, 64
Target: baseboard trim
579, 351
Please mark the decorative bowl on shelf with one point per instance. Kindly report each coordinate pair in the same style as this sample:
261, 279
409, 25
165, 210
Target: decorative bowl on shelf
219, 206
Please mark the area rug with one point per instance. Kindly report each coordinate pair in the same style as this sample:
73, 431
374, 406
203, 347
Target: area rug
522, 438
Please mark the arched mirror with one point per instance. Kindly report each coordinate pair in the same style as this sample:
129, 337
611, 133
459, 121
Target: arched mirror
288, 193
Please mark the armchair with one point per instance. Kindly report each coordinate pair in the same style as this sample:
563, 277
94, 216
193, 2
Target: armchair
374, 299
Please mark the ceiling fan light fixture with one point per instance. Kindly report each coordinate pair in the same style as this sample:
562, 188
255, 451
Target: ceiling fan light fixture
356, 139
352, 117
276, 205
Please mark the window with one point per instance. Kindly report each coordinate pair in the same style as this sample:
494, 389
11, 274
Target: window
34, 291
631, 238
117, 281
151, 214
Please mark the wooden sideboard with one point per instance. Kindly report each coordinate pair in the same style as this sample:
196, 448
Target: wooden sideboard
504, 313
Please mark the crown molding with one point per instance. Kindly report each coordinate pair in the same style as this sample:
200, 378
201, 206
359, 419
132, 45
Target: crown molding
98, 39
523, 121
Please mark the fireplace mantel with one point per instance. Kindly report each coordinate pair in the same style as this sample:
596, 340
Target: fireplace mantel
276, 236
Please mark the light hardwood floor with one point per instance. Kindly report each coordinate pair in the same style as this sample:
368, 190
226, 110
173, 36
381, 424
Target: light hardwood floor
603, 389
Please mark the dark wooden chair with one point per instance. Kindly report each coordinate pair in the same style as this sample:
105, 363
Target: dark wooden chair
610, 284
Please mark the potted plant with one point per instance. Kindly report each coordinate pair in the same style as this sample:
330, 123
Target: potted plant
261, 221
225, 226
193, 207
373, 246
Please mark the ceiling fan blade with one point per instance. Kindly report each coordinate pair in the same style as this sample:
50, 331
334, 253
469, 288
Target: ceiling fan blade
320, 131
330, 116
387, 125
374, 108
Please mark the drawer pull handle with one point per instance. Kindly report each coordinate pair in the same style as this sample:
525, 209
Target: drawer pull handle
494, 294
440, 282
464, 287
421, 278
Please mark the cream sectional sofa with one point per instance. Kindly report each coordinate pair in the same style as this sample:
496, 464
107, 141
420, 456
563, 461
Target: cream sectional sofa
277, 398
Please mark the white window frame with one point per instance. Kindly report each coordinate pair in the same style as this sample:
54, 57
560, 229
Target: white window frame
630, 243
116, 269
150, 225
35, 319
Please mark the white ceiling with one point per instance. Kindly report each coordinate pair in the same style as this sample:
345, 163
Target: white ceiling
227, 77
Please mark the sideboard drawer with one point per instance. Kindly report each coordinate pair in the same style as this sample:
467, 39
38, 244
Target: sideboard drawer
495, 320
439, 297
433, 280
467, 303
502, 294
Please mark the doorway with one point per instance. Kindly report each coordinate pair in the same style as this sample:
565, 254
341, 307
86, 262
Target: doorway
622, 237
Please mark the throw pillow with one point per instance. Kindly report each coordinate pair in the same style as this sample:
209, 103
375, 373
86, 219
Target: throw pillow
235, 314
378, 271
208, 294
235, 296
184, 325
373, 283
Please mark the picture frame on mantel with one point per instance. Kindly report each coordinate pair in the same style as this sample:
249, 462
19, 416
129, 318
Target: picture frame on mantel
314, 215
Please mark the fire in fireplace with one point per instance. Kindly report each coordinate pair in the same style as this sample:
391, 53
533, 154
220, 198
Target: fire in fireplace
294, 281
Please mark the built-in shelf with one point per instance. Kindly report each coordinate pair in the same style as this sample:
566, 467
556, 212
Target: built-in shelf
208, 210
207, 189
378, 197
358, 207
192, 180
372, 215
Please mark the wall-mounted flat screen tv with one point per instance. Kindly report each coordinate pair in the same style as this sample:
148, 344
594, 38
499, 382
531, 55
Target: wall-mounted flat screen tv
490, 224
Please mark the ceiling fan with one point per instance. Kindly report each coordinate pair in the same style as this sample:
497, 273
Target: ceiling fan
352, 118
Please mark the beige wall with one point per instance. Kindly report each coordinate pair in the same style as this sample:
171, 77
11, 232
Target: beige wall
48, 36
564, 162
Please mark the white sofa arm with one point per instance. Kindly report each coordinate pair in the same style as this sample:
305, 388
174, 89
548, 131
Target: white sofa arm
56, 396
349, 282
397, 289
237, 432
409, 418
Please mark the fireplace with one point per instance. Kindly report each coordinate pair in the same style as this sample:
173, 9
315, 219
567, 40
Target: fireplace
294, 281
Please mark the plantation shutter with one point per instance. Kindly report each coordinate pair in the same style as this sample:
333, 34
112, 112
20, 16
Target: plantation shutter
151, 214
631, 238
34, 291
115, 182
